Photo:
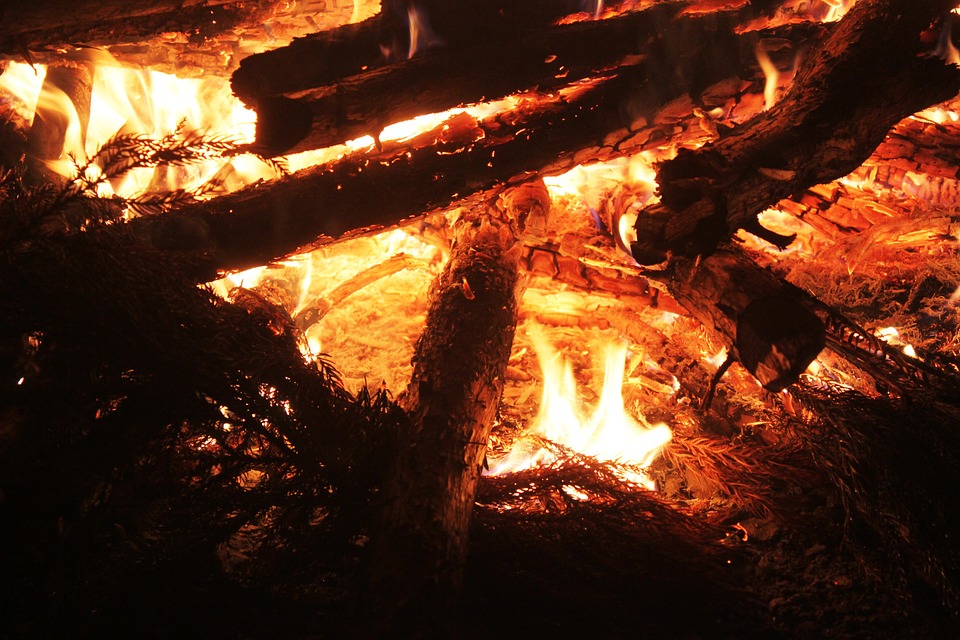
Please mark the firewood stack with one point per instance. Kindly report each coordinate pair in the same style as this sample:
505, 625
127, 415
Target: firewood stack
673, 74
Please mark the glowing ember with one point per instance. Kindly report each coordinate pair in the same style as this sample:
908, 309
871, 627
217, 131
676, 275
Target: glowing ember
609, 434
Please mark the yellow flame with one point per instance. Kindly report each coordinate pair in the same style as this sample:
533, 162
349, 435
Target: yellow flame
772, 75
156, 104
718, 358
150, 103
363, 9
609, 434
422, 36
838, 8
945, 50
22, 82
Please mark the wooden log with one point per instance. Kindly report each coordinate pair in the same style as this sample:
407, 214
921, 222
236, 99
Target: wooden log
367, 191
365, 104
764, 320
418, 552
64, 86
330, 56
871, 72
26, 26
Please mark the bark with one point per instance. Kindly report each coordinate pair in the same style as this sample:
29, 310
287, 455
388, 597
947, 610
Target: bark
490, 69
459, 370
334, 55
874, 70
48, 133
25, 26
766, 322
370, 190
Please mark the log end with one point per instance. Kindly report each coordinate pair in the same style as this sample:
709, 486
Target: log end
281, 124
777, 339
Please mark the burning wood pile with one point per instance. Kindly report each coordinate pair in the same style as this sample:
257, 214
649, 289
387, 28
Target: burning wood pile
600, 318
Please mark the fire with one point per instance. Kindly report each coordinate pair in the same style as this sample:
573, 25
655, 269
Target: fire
837, 9
891, 335
772, 75
608, 434
156, 104
422, 37
149, 103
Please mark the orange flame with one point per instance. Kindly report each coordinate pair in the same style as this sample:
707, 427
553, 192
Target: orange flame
150, 103
772, 75
609, 434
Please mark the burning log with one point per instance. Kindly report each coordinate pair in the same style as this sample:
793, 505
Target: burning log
45, 143
330, 56
371, 189
459, 372
29, 26
875, 69
367, 191
772, 332
688, 52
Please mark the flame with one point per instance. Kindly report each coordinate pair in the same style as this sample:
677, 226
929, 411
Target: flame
938, 115
592, 184
150, 103
891, 335
772, 75
20, 88
609, 434
946, 50
422, 37
838, 9
718, 358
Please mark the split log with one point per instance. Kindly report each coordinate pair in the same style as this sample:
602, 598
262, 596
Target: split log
367, 191
874, 70
330, 56
765, 320
63, 86
27, 26
546, 60
460, 364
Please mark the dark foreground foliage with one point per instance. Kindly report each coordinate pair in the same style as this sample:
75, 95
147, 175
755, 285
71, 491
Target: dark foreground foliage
171, 466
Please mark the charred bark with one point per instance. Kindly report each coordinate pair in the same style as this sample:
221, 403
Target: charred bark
369, 190
766, 321
334, 55
546, 60
25, 26
459, 371
875, 69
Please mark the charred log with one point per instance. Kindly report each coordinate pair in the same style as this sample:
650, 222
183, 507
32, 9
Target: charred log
769, 327
875, 69
27, 26
459, 372
680, 55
